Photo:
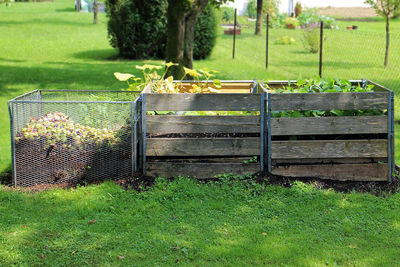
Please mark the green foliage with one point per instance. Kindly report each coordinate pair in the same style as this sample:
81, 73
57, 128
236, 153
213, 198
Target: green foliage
329, 85
286, 40
291, 23
269, 6
205, 33
309, 17
311, 36
228, 14
161, 84
138, 29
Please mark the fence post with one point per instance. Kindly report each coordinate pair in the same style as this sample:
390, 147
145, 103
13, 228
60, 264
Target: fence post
11, 112
321, 38
133, 138
390, 145
143, 128
266, 42
234, 36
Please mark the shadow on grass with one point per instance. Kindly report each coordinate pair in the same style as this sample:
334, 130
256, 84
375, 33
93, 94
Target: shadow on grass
198, 224
102, 54
49, 21
68, 76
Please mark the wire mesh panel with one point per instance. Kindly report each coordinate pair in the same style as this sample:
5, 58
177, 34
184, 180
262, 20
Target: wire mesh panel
80, 140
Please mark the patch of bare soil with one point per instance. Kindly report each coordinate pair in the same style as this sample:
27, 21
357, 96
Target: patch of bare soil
347, 12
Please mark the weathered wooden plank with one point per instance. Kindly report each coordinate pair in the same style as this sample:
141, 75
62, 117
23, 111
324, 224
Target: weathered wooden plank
249, 146
329, 125
329, 101
205, 159
198, 170
340, 172
163, 124
198, 102
329, 149
285, 162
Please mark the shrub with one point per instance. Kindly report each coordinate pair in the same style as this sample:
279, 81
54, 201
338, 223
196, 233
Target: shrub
298, 9
269, 6
138, 29
311, 37
291, 23
307, 18
285, 40
227, 14
205, 33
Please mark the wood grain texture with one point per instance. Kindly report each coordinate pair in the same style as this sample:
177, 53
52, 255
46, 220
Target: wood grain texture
203, 102
329, 125
329, 101
329, 149
249, 146
198, 170
163, 124
340, 172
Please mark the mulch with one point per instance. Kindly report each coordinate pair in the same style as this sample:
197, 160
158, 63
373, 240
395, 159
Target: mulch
140, 183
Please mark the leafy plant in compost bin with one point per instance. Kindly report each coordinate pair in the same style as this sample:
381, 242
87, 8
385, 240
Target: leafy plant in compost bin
329, 85
162, 85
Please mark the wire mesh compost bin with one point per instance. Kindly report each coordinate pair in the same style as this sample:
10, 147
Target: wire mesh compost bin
73, 136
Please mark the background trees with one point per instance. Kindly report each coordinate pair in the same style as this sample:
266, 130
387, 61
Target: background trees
385, 8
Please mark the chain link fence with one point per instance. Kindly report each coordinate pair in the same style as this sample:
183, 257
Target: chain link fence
63, 136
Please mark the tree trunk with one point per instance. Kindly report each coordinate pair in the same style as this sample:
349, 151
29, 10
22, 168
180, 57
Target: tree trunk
78, 5
175, 37
259, 17
387, 42
95, 11
191, 20
180, 34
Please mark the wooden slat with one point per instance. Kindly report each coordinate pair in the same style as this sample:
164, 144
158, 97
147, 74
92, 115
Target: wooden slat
329, 101
340, 172
198, 102
198, 170
329, 125
329, 149
249, 146
284, 162
163, 124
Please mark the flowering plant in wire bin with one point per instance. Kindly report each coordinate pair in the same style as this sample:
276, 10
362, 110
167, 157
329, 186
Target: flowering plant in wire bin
161, 84
56, 127
311, 37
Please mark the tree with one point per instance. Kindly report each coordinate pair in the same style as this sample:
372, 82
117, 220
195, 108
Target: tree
386, 9
78, 5
182, 16
259, 17
95, 11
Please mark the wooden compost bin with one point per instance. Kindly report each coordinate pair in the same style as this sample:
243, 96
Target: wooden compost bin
202, 146
358, 148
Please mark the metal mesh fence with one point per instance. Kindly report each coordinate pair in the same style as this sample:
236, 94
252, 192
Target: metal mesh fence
73, 136
360, 53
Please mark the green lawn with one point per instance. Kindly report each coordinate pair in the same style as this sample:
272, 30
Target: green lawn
48, 46
191, 224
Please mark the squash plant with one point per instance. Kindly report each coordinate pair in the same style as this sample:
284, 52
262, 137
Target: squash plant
162, 85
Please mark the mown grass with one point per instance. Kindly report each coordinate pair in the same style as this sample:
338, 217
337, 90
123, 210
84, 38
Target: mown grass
183, 222
49, 46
